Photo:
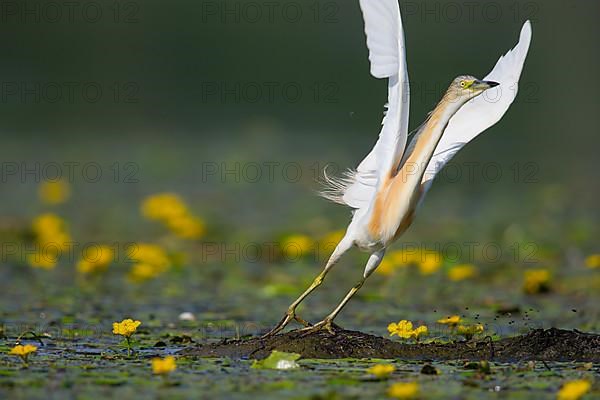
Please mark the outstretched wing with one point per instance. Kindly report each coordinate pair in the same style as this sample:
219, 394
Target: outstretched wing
483, 111
385, 40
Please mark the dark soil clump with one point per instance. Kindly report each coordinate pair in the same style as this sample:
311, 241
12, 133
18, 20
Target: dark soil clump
543, 345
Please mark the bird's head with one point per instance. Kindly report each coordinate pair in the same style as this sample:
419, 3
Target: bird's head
465, 87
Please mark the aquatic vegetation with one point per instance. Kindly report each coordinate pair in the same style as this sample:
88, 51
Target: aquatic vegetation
404, 390
381, 370
95, 259
54, 192
163, 366
387, 267
537, 281
23, 352
278, 360
51, 239
451, 321
573, 390
126, 328
328, 242
186, 226
173, 212
163, 206
592, 261
468, 331
483, 367
150, 261
461, 272
404, 329
429, 262
297, 246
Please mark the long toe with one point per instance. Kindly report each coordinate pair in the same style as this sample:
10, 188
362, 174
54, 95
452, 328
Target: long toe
302, 321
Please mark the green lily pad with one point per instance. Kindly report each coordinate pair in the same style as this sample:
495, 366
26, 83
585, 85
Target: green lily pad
278, 360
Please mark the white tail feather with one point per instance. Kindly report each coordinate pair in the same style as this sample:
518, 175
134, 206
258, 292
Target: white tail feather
335, 187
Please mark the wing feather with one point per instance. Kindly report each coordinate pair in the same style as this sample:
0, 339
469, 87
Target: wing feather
385, 41
483, 111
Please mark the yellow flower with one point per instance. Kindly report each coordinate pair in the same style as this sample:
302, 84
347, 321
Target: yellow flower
163, 366
47, 224
592, 261
42, 260
297, 246
186, 226
95, 259
468, 331
451, 321
404, 329
405, 257
430, 262
148, 253
381, 370
172, 211
126, 328
54, 192
150, 261
403, 390
143, 272
573, 390
23, 351
395, 260
328, 243
51, 239
420, 331
536, 281
461, 272
387, 267
163, 206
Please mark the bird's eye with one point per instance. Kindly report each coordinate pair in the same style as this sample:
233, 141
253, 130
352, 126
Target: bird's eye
462, 84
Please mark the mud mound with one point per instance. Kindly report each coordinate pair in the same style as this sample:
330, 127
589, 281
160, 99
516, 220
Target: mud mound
543, 345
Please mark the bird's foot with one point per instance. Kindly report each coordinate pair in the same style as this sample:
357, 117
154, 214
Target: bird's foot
327, 325
302, 321
287, 318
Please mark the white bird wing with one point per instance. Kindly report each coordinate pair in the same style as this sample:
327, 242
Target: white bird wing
385, 41
483, 111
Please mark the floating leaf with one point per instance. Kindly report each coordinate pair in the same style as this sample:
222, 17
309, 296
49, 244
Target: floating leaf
278, 360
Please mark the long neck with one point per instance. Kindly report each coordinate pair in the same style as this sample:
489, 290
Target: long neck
423, 145
394, 208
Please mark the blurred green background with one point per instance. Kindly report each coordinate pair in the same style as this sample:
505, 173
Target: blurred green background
157, 66
175, 96
238, 113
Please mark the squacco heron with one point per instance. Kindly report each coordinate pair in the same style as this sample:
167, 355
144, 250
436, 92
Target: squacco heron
387, 187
